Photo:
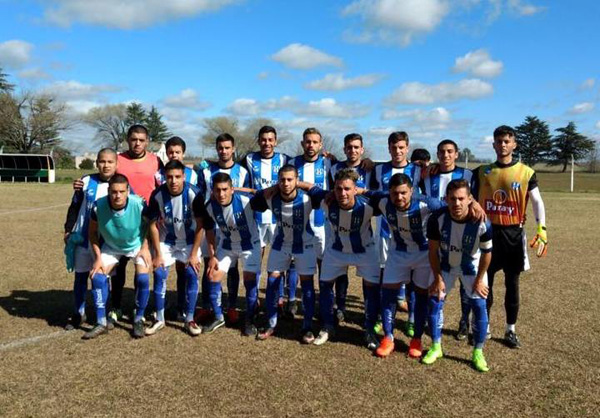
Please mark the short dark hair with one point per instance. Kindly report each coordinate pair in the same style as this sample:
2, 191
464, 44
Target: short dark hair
174, 165
399, 179
222, 178
137, 129
107, 150
346, 174
309, 131
353, 137
224, 137
118, 178
447, 142
420, 154
504, 130
397, 137
175, 141
458, 184
265, 130
288, 167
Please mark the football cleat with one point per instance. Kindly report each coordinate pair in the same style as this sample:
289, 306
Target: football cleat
409, 329
138, 329
307, 337
265, 334
434, 353
249, 329
371, 340
340, 316
386, 347
192, 328
479, 362
213, 326
511, 340
75, 322
95, 332
291, 309
322, 338
157, 326
415, 349
378, 328
463, 331
115, 315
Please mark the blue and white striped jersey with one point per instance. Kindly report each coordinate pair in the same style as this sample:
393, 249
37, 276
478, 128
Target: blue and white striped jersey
237, 226
314, 172
364, 177
351, 228
175, 214
264, 173
408, 227
461, 244
93, 189
435, 185
239, 176
381, 181
190, 176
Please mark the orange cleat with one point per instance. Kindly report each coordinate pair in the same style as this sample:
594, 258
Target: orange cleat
415, 349
386, 347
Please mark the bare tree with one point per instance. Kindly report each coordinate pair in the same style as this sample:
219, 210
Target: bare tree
110, 122
31, 122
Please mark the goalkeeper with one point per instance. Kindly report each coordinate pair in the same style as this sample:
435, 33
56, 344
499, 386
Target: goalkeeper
503, 189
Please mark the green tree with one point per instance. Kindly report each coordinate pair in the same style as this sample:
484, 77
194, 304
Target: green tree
86, 164
569, 143
136, 114
464, 153
5, 86
110, 124
534, 141
157, 129
63, 158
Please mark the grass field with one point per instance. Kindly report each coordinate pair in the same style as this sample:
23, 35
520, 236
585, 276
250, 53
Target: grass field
49, 372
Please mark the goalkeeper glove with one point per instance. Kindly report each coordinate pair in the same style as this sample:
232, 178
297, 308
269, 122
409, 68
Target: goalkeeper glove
540, 241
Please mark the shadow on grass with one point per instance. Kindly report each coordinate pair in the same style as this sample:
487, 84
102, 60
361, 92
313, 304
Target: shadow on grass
53, 306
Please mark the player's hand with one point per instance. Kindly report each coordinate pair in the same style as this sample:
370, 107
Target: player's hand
432, 169
213, 266
482, 289
158, 262
476, 211
144, 254
329, 156
540, 241
77, 184
269, 192
66, 237
195, 263
367, 164
97, 267
438, 288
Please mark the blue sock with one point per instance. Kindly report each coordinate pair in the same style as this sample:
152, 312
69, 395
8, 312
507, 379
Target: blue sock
480, 322
402, 292
410, 299
215, 298
181, 290
465, 305
292, 276
326, 303
273, 287
233, 286
142, 294
79, 290
389, 299
100, 291
251, 297
372, 295
280, 288
308, 300
341, 291
435, 308
160, 290
205, 292
191, 293
420, 313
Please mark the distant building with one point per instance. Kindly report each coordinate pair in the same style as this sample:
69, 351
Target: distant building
88, 155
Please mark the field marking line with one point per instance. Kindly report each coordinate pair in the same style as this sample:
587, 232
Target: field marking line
31, 340
34, 209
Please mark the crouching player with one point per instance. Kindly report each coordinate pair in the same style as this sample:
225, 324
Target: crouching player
294, 239
175, 237
95, 186
238, 240
118, 220
459, 247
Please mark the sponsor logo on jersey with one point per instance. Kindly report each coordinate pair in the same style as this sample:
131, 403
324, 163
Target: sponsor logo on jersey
507, 207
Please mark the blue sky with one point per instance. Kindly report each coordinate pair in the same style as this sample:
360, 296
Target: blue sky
434, 68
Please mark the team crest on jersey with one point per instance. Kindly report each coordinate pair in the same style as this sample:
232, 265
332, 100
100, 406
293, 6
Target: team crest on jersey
515, 185
487, 170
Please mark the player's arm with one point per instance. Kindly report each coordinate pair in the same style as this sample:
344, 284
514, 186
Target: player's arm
245, 190
438, 287
72, 213
367, 164
193, 259
485, 246
539, 211
306, 186
259, 201
153, 235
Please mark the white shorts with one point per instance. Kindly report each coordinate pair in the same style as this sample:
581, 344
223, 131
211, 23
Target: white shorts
251, 259
204, 243
400, 265
266, 233
84, 259
111, 256
467, 282
306, 263
336, 263
173, 253
319, 241
384, 248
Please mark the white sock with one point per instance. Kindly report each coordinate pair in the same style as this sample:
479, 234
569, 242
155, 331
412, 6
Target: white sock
510, 327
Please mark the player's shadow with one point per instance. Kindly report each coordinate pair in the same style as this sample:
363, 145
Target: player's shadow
53, 306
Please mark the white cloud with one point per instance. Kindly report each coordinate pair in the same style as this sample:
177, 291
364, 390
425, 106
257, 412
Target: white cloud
584, 107
304, 57
337, 82
75, 90
330, 108
15, 54
187, 98
396, 20
127, 14
588, 84
323, 108
263, 75
35, 73
83, 106
598, 125
522, 9
420, 93
486, 142
434, 119
479, 64
244, 107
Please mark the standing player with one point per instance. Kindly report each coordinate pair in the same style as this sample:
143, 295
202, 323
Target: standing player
503, 189
238, 240
225, 147
95, 186
175, 237
459, 248
294, 240
351, 244
117, 221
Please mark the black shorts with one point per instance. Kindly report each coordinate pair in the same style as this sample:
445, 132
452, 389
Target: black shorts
508, 252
